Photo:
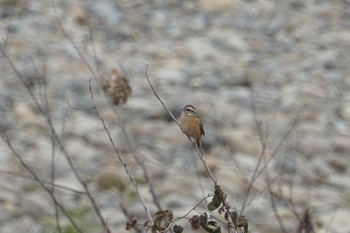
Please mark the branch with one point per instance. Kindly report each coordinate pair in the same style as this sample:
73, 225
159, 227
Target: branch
46, 183
273, 203
60, 145
127, 170
66, 35
37, 179
178, 124
257, 173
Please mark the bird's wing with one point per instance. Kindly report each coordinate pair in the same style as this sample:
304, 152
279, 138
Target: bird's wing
201, 128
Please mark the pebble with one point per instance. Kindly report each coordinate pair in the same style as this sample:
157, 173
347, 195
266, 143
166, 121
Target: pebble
337, 221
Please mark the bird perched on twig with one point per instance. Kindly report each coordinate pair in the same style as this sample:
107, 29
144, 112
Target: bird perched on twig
192, 124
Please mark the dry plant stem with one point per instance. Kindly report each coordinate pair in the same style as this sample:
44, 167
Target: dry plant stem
91, 70
56, 136
273, 203
45, 104
331, 220
274, 152
198, 175
263, 141
66, 35
138, 160
128, 216
37, 179
122, 125
93, 48
178, 124
305, 223
185, 215
46, 183
53, 161
127, 170
125, 133
261, 156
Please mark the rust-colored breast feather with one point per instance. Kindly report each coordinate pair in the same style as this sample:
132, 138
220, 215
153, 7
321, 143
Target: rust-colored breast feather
193, 127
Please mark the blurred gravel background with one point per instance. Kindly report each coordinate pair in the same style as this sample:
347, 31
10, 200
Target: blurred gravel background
287, 59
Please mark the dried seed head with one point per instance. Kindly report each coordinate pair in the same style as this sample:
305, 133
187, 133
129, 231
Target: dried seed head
117, 88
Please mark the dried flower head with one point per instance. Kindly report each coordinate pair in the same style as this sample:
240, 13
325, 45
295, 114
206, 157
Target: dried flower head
117, 88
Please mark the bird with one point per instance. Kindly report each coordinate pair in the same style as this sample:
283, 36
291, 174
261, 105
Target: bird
192, 124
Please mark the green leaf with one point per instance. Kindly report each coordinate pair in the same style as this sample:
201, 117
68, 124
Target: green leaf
154, 229
214, 204
218, 230
245, 227
203, 220
70, 229
158, 222
212, 227
234, 216
221, 210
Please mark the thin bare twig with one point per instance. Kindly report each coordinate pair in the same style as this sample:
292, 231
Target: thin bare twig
67, 36
273, 203
45, 103
138, 160
7, 34
94, 53
261, 156
127, 170
46, 183
60, 144
306, 225
178, 124
257, 173
91, 70
122, 126
128, 216
279, 145
200, 202
37, 179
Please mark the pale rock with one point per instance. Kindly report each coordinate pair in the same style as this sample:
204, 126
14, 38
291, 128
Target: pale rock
212, 164
22, 224
169, 77
316, 172
40, 158
106, 11
175, 202
37, 205
88, 128
25, 115
146, 107
111, 178
242, 141
201, 48
341, 144
273, 226
217, 6
336, 221
229, 41
338, 162
313, 145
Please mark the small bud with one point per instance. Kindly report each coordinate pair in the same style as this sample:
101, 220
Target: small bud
195, 223
178, 229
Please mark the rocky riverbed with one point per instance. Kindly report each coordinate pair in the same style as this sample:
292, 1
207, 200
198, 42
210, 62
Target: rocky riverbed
270, 79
